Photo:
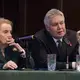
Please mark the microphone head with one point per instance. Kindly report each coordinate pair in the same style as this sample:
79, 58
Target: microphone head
27, 37
67, 42
30, 37
78, 36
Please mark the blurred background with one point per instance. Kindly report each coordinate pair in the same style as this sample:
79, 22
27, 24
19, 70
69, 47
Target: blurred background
27, 15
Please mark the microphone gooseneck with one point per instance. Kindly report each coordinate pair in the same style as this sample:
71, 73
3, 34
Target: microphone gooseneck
68, 42
26, 37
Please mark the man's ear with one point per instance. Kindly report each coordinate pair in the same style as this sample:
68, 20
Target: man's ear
47, 28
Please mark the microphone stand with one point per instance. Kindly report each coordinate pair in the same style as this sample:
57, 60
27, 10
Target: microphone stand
67, 63
68, 44
67, 57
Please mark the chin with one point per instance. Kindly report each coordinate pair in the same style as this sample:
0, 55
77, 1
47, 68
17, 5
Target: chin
60, 36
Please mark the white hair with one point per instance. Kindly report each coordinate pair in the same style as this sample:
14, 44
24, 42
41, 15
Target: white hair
50, 14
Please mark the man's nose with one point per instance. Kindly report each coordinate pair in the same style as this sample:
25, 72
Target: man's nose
59, 26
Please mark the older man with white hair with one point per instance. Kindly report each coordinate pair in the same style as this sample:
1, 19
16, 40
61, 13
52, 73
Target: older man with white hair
46, 42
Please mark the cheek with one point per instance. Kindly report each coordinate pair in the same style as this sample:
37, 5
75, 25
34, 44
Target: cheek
63, 26
64, 29
53, 29
3, 39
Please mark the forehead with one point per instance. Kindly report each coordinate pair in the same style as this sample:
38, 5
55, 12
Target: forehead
5, 26
57, 18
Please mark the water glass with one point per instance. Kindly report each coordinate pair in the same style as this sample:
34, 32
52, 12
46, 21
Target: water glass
78, 62
51, 62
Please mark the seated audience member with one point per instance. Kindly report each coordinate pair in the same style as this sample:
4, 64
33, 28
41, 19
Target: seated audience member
12, 55
46, 42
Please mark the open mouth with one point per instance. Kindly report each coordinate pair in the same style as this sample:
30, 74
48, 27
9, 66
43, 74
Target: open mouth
60, 32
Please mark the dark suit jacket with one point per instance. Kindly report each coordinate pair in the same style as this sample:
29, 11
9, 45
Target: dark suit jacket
44, 44
13, 55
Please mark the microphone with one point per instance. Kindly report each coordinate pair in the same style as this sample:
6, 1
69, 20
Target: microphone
68, 42
26, 37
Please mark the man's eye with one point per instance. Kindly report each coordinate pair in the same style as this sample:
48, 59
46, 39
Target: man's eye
55, 24
5, 31
61, 23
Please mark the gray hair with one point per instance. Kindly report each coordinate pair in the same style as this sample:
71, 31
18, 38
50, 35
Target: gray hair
3, 20
50, 14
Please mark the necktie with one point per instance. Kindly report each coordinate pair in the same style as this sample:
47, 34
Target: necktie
59, 46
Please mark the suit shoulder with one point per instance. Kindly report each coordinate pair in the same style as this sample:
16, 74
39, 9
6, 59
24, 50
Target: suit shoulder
40, 33
71, 33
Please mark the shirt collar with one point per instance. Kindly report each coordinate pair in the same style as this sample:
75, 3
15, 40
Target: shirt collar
57, 39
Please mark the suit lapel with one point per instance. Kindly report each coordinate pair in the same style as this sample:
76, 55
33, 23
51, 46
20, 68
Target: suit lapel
68, 45
2, 59
48, 42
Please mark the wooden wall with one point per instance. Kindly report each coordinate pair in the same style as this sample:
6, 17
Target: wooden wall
28, 15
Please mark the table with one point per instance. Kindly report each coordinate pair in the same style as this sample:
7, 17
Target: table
39, 75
